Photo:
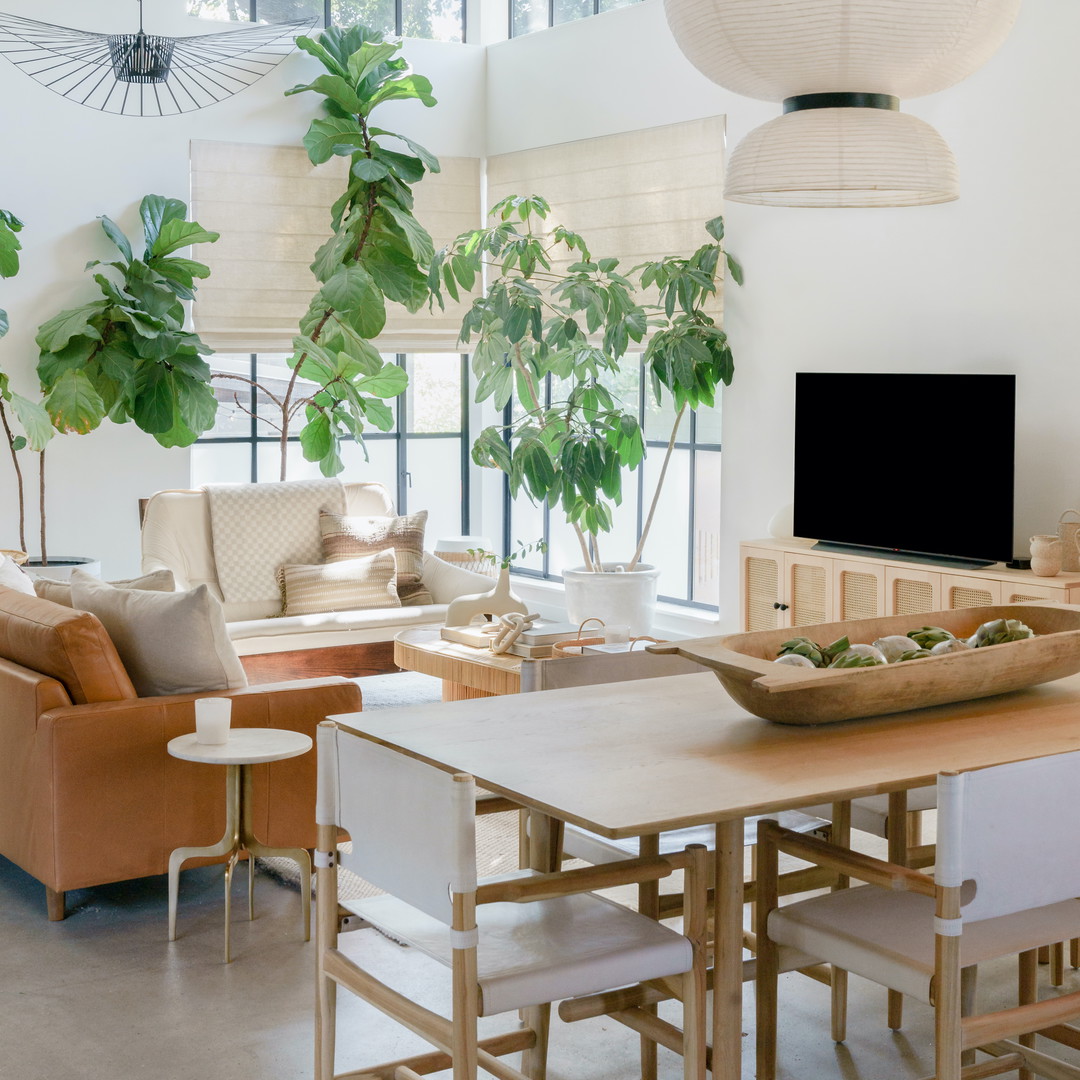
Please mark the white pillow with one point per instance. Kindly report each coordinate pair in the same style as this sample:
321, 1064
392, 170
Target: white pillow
14, 577
59, 592
170, 643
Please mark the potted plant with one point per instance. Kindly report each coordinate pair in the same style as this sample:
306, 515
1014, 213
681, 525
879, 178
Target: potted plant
577, 327
126, 354
378, 252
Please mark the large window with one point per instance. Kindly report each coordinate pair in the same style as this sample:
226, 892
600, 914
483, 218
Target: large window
529, 15
684, 538
423, 461
441, 20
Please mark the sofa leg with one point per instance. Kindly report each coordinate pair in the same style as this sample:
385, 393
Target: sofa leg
54, 903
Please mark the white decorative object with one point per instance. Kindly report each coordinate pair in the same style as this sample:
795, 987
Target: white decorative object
1045, 555
499, 601
1069, 533
511, 627
615, 596
840, 67
212, 718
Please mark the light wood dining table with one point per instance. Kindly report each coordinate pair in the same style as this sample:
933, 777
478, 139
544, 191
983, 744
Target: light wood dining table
637, 758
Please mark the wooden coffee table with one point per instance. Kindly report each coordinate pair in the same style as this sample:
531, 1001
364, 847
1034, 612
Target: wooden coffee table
466, 672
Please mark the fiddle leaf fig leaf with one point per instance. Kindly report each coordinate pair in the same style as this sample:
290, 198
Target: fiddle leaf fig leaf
333, 135
387, 383
73, 404
116, 235
178, 233
35, 420
54, 334
156, 212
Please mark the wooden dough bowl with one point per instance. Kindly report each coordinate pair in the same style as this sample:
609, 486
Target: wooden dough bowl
798, 695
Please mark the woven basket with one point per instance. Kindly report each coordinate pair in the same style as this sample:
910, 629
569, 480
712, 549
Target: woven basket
467, 561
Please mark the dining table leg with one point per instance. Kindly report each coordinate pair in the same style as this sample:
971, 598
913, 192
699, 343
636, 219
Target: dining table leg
727, 952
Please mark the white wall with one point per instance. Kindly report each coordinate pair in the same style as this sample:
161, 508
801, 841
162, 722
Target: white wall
983, 284
986, 283
64, 164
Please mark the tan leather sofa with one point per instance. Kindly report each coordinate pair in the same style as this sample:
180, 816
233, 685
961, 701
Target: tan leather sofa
177, 536
88, 793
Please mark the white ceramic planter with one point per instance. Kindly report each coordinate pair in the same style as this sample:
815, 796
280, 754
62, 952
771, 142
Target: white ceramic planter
619, 598
60, 567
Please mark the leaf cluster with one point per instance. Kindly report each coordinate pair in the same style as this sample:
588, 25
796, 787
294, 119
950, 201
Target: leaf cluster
9, 254
378, 251
126, 355
577, 326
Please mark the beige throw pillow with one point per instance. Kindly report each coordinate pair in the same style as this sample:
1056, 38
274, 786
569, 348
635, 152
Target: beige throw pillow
170, 643
346, 585
350, 537
59, 592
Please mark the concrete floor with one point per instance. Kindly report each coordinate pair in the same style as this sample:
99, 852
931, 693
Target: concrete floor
104, 995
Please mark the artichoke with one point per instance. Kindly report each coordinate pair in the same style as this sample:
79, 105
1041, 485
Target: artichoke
859, 656
950, 646
927, 636
893, 647
999, 631
831, 652
804, 647
794, 660
915, 654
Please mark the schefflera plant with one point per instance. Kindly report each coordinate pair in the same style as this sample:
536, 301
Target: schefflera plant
126, 355
378, 252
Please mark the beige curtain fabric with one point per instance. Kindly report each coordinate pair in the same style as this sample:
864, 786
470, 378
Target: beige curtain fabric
635, 196
272, 208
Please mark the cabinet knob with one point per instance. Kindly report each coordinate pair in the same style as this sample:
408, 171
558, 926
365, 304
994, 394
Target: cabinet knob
780, 607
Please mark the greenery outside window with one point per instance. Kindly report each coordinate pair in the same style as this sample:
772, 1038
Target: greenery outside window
529, 15
423, 460
684, 542
439, 20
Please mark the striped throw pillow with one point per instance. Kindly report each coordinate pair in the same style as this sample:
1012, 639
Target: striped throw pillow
348, 585
349, 537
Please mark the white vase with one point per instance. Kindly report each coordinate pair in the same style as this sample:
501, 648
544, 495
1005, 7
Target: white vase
498, 601
1045, 555
620, 598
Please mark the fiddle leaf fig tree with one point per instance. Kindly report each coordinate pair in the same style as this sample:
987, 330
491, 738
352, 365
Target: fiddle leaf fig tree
577, 327
126, 355
378, 252
30, 414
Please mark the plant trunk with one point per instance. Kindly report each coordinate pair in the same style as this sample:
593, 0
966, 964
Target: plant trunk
41, 505
18, 476
659, 486
584, 546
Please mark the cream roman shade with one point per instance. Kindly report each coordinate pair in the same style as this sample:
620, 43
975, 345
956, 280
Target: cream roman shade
636, 196
272, 208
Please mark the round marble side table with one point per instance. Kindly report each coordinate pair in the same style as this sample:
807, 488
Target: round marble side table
244, 748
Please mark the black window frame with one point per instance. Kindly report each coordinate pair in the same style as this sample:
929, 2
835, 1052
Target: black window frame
689, 443
400, 435
328, 17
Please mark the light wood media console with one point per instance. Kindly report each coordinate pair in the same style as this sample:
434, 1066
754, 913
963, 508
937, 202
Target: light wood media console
786, 583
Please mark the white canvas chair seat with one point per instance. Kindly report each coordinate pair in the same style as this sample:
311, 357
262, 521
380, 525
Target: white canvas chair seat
870, 814
889, 936
542, 951
579, 843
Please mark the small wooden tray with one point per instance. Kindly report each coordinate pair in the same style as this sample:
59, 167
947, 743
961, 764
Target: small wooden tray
797, 695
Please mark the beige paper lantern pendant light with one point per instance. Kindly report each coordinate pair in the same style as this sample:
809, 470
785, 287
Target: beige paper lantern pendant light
840, 68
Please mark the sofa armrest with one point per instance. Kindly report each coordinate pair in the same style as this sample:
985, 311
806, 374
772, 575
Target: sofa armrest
447, 582
117, 803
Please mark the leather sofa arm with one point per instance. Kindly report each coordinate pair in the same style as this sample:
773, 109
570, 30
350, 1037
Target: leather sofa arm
116, 803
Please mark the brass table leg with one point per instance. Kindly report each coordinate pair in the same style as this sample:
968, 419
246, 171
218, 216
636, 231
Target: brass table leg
239, 838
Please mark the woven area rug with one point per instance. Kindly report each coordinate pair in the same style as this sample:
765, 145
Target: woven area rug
496, 834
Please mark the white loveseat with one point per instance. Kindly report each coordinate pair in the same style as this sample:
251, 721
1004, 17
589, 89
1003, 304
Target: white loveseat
177, 535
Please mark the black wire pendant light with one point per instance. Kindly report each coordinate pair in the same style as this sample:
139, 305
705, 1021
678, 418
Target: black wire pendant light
145, 74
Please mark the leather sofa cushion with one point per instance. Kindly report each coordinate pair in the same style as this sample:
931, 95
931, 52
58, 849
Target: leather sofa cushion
67, 645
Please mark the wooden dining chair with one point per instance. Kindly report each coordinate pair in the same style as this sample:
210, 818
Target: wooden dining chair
516, 942
1001, 887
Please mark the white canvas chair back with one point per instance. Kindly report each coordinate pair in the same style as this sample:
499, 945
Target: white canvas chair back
1012, 830
590, 669
412, 825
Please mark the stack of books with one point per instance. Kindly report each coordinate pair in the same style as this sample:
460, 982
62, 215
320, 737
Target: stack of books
534, 643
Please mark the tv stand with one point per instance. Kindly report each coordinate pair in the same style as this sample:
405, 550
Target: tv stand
797, 583
951, 562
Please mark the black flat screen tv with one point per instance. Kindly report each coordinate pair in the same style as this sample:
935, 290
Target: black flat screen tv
915, 466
